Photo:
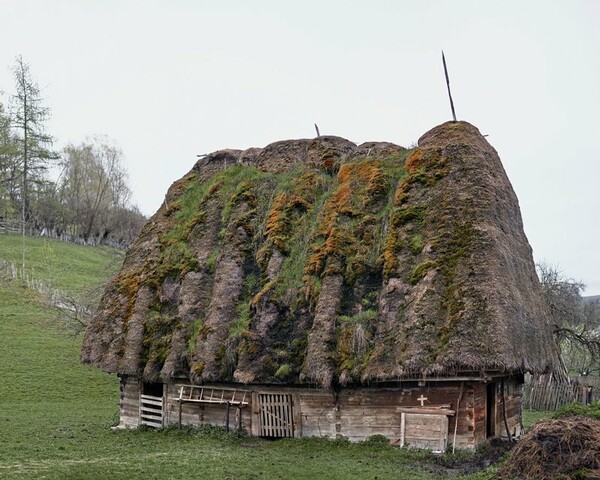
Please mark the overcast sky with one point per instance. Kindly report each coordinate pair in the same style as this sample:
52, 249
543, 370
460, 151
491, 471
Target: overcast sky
171, 79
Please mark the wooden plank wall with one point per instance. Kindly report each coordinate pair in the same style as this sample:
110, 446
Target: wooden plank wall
202, 414
361, 413
129, 403
355, 414
513, 395
425, 431
478, 405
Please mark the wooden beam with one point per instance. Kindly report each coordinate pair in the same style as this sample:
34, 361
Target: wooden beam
448, 85
426, 410
227, 417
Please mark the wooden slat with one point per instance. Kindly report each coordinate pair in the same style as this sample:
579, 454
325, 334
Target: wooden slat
550, 397
255, 424
296, 416
426, 410
152, 416
158, 403
402, 429
151, 410
152, 424
276, 415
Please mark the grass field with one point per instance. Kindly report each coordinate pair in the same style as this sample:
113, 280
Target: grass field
55, 414
67, 267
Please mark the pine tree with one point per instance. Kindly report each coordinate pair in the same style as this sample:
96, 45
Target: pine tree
8, 166
29, 117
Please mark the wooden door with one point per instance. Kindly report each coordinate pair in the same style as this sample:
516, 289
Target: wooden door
276, 415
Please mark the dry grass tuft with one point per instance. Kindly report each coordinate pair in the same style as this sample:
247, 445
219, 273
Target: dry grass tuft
568, 448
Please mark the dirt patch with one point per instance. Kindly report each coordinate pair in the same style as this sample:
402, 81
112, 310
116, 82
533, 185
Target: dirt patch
464, 462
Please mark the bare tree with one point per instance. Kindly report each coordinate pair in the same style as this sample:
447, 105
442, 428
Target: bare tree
75, 310
94, 191
576, 324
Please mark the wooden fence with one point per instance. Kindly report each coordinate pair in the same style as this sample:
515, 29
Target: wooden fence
16, 227
10, 226
553, 396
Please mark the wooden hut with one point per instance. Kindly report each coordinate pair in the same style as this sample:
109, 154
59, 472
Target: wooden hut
317, 287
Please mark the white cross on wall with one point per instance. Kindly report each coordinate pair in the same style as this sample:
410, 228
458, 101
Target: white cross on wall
422, 399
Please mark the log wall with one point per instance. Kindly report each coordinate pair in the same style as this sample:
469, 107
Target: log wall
354, 413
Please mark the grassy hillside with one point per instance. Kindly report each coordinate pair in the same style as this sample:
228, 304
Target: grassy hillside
56, 414
45, 394
65, 266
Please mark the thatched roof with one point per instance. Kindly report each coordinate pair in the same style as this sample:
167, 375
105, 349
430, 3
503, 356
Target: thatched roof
320, 261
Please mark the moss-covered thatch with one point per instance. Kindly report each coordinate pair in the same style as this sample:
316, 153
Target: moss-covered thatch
319, 261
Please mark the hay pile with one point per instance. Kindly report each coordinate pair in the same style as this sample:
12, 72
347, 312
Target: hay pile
564, 448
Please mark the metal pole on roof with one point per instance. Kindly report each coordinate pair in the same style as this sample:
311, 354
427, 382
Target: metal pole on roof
448, 85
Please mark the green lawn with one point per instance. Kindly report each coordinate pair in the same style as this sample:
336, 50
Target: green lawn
532, 416
56, 415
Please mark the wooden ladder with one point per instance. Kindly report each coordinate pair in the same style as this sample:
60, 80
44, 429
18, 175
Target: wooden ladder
214, 395
201, 394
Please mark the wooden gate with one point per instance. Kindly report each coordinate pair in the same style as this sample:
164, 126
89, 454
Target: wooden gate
276, 415
151, 411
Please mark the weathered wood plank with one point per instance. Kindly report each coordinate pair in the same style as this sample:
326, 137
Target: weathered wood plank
433, 437
157, 403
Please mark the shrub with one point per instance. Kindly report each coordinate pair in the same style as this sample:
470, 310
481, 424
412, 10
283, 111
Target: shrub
592, 410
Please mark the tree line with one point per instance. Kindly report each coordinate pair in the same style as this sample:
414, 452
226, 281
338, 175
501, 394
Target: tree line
79, 193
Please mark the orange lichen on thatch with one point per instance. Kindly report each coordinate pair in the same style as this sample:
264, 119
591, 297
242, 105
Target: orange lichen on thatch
401, 191
280, 219
414, 161
127, 284
278, 226
358, 184
266, 289
377, 184
275, 227
340, 200
366, 175
427, 165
